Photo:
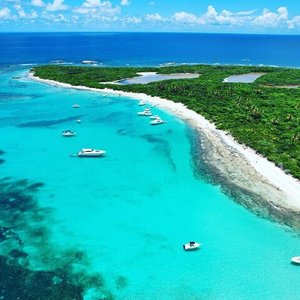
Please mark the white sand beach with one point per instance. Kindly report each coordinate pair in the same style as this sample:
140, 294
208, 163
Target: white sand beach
240, 164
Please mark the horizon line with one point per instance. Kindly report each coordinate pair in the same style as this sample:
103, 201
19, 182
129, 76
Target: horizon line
155, 32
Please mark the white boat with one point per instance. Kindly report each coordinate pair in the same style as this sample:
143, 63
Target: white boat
141, 103
76, 105
87, 152
157, 121
89, 62
68, 133
154, 117
78, 121
296, 260
146, 112
191, 246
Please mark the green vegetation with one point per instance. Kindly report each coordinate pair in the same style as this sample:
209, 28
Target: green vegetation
86, 75
281, 77
266, 119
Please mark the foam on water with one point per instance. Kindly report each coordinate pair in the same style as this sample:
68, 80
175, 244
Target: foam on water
125, 216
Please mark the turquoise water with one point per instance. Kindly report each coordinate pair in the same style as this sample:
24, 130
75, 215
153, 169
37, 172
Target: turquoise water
123, 218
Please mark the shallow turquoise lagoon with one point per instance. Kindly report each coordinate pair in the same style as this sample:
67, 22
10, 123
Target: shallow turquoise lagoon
129, 212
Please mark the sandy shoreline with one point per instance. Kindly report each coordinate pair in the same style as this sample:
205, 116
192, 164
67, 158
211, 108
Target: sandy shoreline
239, 164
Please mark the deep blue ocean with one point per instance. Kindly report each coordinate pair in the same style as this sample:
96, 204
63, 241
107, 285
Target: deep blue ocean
150, 48
113, 227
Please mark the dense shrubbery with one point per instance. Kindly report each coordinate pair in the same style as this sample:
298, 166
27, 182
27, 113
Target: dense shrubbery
89, 76
281, 77
267, 120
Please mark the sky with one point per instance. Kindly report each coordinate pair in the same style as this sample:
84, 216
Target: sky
217, 16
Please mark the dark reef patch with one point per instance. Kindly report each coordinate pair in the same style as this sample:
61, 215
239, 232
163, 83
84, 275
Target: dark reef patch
153, 139
26, 225
121, 282
162, 147
15, 253
118, 119
2, 161
45, 123
35, 186
4, 97
21, 84
7, 233
17, 282
125, 132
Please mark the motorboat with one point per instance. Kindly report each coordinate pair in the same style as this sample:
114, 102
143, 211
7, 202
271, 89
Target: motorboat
68, 133
141, 103
157, 121
146, 112
78, 121
191, 246
76, 105
154, 117
295, 260
87, 152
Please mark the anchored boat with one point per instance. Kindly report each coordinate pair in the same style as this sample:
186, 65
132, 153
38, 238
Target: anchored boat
68, 133
146, 112
87, 152
295, 260
191, 246
157, 121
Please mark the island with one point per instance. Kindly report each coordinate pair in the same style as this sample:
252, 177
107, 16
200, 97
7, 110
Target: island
251, 129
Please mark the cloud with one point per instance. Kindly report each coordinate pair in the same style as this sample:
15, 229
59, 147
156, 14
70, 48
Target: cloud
4, 13
21, 13
272, 19
155, 18
53, 18
93, 3
125, 2
246, 13
133, 20
97, 8
56, 6
33, 15
96, 11
184, 17
225, 17
214, 18
293, 23
60, 18
247, 19
38, 3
